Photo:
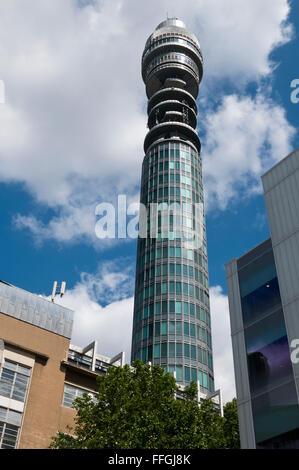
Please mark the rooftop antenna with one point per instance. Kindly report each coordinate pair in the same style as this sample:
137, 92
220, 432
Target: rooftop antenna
60, 290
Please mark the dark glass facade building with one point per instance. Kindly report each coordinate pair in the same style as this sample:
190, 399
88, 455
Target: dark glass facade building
172, 325
264, 303
272, 386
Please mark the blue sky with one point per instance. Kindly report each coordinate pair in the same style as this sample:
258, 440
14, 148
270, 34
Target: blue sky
71, 134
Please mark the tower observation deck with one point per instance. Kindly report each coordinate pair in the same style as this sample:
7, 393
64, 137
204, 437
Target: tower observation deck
171, 325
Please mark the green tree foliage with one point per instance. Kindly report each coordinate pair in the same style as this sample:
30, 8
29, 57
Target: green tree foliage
231, 425
136, 409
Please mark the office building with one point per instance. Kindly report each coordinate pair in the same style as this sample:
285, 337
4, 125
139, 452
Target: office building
263, 290
172, 325
41, 373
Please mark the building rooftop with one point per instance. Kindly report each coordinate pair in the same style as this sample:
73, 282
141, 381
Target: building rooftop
88, 358
35, 309
171, 22
173, 26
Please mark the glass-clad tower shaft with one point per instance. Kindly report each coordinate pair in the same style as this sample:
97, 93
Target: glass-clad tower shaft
171, 324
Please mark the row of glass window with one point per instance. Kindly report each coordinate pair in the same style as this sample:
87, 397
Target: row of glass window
174, 162
172, 150
170, 58
188, 351
159, 235
172, 269
176, 207
144, 259
163, 232
187, 235
171, 40
170, 220
179, 328
166, 178
146, 244
162, 194
164, 307
145, 294
165, 166
167, 252
171, 287
174, 179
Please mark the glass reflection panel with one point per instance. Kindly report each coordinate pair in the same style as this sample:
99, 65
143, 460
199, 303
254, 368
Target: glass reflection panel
275, 412
268, 353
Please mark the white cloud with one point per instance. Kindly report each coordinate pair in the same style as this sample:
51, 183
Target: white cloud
72, 224
237, 36
111, 325
76, 221
75, 113
244, 138
222, 346
103, 306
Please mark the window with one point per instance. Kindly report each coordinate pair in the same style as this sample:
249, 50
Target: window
171, 327
164, 328
163, 349
200, 378
179, 350
144, 354
178, 327
158, 289
14, 380
171, 349
71, 392
186, 350
205, 380
10, 422
186, 329
145, 332
156, 351
179, 373
187, 374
